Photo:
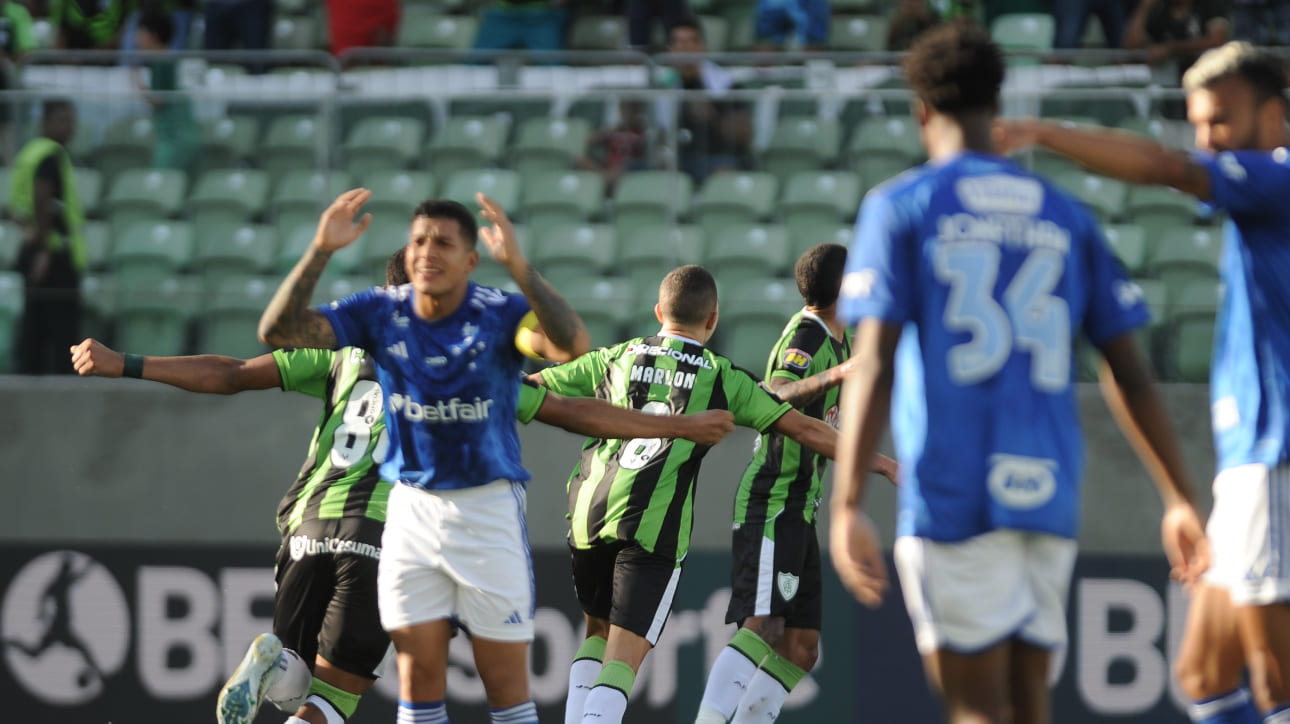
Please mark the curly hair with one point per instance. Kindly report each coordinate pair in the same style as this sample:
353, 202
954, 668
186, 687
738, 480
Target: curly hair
396, 274
955, 68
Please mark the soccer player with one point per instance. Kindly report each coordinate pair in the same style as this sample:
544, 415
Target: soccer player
1236, 100
630, 503
775, 573
448, 361
990, 272
325, 613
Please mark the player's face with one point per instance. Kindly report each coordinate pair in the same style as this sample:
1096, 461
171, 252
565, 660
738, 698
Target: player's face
1225, 116
439, 258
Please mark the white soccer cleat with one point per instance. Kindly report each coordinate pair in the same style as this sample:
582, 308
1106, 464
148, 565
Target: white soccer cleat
240, 697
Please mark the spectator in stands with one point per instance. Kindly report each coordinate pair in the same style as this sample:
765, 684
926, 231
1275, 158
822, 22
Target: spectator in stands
1261, 22
776, 22
621, 148
641, 17
88, 24
1071, 16
714, 132
1175, 32
234, 24
362, 23
177, 134
17, 38
528, 24
43, 199
181, 13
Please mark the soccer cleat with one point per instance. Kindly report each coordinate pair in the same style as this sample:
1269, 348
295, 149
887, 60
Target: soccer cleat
240, 697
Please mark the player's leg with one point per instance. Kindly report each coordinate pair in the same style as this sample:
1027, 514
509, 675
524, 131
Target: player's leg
974, 687
1028, 683
593, 584
751, 590
1050, 563
586, 666
422, 651
1210, 661
1265, 633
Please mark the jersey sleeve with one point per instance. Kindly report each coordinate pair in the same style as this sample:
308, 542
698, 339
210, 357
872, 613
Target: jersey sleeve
751, 405
354, 318
796, 351
531, 398
879, 280
580, 377
1248, 182
1116, 304
513, 312
305, 370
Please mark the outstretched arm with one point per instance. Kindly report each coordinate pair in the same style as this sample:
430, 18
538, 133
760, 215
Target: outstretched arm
597, 418
289, 321
804, 391
208, 373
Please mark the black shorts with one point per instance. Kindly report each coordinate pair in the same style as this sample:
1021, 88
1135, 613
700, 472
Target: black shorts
627, 585
776, 576
326, 599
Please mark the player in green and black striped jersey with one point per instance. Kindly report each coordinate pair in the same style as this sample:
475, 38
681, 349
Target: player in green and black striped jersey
775, 574
631, 502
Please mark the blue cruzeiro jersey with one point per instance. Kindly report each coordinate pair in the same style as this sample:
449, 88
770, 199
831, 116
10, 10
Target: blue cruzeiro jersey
450, 385
992, 272
1249, 379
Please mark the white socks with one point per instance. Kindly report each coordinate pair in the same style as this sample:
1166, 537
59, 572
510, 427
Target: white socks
291, 684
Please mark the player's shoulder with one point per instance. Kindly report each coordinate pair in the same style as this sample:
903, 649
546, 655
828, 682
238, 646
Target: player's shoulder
482, 298
1240, 165
904, 186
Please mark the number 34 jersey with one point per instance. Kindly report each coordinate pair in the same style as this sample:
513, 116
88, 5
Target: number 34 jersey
992, 273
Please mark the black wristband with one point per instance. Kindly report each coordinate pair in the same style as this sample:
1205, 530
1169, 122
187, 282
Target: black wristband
133, 366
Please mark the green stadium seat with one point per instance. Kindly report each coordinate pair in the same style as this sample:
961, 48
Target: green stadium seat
501, 185
606, 306
295, 33
1045, 163
126, 144
10, 244
1186, 253
292, 142
753, 315
11, 305
648, 251
98, 306
748, 251
1105, 197
492, 274
229, 323
884, 146
89, 189
467, 142
1023, 31
548, 144
1172, 133
387, 233
228, 196
651, 197
300, 196
716, 32
1103, 106
228, 142
294, 242
858, 33
1198, 298
383, 143
225, 251
396, 193
85, 139
514, 110
1193, 343
575, 251
801, 144
598, 32
340, 287
98, 244
734, 198
152, 250
1129, 242
819, 198
153, 314
437, 32
561, 197
804, 236
144, 193
741, 35
1156, 209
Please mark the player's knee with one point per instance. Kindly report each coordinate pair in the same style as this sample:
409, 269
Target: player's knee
1201, 679
804, 656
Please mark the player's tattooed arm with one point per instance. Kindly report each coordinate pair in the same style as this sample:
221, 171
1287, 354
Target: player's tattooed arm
289, 321
805, 391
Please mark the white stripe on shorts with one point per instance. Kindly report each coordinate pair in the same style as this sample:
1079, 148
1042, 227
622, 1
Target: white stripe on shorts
664, 607
765, 577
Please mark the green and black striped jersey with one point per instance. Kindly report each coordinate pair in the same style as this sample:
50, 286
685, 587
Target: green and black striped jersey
642, 490
783, 478
340, 477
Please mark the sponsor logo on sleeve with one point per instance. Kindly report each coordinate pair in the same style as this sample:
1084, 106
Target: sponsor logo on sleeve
796, 359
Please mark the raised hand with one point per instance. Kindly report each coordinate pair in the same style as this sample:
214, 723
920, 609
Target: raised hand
500, 237
336, 227
92, 358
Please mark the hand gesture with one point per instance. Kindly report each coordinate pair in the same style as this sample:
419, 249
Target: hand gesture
1185, 543
92, 358
336, 228
708, 427
886, 467
500, 237
857, 556
1015, 134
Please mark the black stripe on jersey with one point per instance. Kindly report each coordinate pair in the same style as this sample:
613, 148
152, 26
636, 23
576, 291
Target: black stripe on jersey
598, 509
289, 498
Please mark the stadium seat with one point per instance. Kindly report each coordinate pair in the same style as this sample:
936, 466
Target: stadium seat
490, 273
858, 33
598, 32
387, 233
647, 251
748, 251
339, 288
438, 32
514, 110
300, 196
500, 184
716, 32
1023, 31
1129, 242
548, 144
1104, 106
226, 196
1172, 133
651, 197
606, 307
153, 314
816, 198
228, 323
151, 250
292, 142
144, 193
228, 142
733, 198
1184, 254
98, 307
295, 33
383, 143
884, 146
801, 144
574, 251
98, 243
126, 144
467, 142
225, 251
11, 305
753, 315
396, 193
806, 235
1198, 298
294, 242
1156, 209
1105, 197
561, 197
353, 111
1192, 344
10, 244
89, 188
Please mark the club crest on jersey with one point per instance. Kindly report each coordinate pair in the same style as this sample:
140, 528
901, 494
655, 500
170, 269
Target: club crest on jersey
832, 417
787, 584
796, 359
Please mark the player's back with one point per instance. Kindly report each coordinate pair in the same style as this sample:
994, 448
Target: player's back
994, 272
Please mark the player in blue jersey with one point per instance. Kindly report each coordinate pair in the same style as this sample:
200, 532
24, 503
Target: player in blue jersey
990, 273
448, 354
1236, 100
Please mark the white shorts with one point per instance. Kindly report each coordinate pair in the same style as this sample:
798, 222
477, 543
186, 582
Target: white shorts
1249, 534
460, 554
968, 596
